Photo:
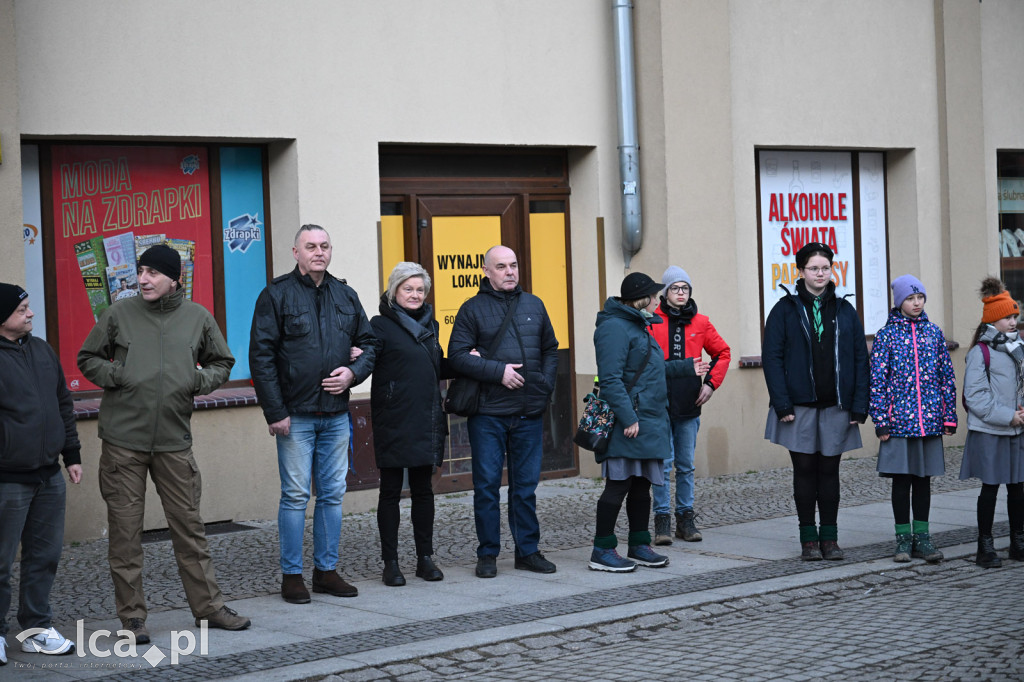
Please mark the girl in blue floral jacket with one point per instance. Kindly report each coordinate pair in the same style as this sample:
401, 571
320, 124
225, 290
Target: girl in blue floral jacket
913, 404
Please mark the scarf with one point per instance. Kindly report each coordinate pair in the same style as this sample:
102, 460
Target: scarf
1012, 345
678, 319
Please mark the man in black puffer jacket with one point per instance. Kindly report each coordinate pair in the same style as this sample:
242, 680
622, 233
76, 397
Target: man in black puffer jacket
517, 378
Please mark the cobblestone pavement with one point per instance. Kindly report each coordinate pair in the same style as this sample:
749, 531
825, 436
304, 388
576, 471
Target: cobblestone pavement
565, 507
951, 621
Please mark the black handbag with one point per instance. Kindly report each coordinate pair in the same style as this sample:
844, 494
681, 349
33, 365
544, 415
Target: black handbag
595, 428
463, 396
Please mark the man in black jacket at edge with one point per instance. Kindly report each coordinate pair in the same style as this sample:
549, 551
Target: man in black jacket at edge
304, 327
517, 373
37, 427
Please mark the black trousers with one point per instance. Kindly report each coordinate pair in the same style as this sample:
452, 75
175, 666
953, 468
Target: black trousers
388, 514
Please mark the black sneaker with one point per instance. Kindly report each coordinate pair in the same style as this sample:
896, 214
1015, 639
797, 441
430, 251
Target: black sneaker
487, 567
535, 562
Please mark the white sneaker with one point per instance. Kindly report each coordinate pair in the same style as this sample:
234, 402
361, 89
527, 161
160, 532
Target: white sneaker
49, 642
3, 650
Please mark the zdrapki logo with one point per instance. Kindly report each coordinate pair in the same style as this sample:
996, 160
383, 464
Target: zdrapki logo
242, 231
125, 647
190, 164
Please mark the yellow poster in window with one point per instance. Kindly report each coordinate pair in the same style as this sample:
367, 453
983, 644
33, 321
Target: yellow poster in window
391, 247
550, 277
460, 243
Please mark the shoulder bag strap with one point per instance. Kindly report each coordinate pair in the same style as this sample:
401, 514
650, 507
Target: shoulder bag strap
504, 326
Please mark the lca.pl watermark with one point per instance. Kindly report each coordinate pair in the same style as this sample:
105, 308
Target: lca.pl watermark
125, 646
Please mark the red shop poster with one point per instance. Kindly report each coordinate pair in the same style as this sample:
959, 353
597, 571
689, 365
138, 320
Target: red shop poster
109, 205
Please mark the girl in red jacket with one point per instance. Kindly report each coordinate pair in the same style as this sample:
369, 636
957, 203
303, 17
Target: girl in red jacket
685, 334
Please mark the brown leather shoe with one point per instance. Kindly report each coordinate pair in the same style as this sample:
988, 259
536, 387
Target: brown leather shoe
136, 626
293, 589
330, 582
226, 619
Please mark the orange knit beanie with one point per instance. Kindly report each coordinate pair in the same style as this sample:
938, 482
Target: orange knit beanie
997, 300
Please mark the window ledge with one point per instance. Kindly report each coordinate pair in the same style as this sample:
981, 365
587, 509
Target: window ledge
89, 408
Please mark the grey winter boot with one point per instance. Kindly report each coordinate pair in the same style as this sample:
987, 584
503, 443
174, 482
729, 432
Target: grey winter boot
662, 529
904, 546
924, 549
686, 528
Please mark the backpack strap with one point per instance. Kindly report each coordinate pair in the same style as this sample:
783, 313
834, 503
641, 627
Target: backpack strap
986, 355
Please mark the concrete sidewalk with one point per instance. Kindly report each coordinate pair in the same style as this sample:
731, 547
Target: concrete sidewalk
334, 635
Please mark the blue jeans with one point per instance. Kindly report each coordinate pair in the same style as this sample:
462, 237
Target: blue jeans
684, 441
491, 438
316, 448
31, 514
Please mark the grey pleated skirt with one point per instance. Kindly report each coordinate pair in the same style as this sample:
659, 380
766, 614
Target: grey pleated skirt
915, 456
621, 468
816, 429
994, 459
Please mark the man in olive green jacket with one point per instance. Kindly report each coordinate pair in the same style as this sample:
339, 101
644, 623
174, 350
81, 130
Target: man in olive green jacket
151, 354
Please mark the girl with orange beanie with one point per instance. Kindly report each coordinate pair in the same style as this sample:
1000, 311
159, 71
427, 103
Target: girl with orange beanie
994, 393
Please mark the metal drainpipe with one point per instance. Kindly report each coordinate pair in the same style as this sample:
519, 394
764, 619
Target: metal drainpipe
629, 148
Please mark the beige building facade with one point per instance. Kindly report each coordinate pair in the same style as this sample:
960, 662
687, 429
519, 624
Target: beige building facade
347, 103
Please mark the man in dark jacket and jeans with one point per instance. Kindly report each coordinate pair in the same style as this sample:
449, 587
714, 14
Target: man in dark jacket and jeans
517, 373
303, 329
37, 427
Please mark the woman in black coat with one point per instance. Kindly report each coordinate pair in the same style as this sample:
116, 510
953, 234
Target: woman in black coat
409, 424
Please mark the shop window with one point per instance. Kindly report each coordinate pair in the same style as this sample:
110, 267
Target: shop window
1011, 220
99, 207
833, 197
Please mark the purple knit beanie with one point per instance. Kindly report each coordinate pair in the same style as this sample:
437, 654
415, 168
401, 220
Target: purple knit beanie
904, 286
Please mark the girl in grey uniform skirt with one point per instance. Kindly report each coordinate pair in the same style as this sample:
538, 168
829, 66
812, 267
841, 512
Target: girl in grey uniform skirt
994, 393
913, 404
815, 363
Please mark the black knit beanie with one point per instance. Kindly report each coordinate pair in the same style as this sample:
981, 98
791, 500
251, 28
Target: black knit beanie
11, 296
163, 259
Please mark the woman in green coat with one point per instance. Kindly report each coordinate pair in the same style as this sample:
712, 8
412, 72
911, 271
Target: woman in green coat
632, 373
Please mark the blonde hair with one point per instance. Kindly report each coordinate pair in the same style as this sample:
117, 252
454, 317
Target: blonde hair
638, 303
403, 271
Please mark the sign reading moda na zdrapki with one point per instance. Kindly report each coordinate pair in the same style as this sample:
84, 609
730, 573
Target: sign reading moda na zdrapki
109, 205
805, 197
